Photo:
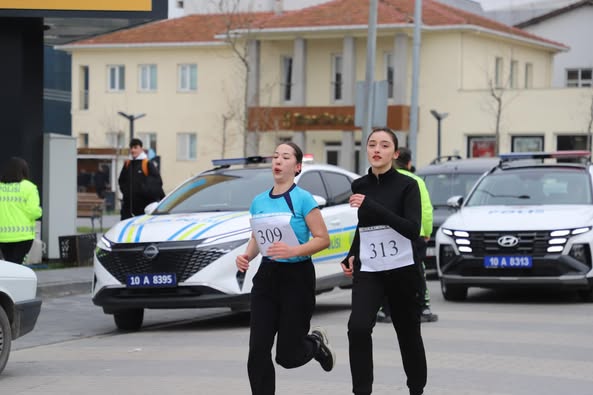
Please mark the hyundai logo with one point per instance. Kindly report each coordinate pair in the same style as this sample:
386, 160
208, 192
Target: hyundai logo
508, 241
151, 251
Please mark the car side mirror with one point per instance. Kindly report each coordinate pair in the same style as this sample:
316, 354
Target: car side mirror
455, 201
150, 208
321, 202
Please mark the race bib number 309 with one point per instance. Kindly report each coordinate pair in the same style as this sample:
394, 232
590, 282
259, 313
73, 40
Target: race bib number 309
271, 229
382, 248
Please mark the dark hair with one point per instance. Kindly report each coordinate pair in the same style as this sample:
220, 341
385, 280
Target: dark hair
386, 130
135, 142
298, 153
15, 170
404, 157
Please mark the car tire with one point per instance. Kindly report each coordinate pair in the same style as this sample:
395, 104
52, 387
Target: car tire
129, 320
5, 338
455, 293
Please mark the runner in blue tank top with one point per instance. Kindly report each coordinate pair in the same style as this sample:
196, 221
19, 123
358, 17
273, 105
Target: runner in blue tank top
287, 228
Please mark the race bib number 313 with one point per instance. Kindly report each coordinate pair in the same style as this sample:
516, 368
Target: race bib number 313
382, 248
270, 229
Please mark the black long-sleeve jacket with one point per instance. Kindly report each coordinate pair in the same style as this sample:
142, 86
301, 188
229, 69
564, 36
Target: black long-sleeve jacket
391, 199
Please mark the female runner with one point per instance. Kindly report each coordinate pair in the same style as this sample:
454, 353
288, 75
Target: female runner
381, 262
283, 293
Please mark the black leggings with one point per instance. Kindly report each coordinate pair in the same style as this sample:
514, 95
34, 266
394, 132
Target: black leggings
402, 287
282, 302
17, 251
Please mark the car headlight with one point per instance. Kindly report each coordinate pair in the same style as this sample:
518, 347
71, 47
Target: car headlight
461, 238
104, 244
558, 238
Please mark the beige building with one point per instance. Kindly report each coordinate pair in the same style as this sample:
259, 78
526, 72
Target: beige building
303, 67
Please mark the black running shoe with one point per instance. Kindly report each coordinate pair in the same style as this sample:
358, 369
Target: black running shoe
324, 355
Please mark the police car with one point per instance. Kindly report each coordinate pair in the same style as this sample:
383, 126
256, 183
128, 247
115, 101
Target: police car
181, 254
19, 306
526, 223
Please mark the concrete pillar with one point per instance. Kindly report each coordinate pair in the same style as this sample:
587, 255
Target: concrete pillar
251, 139
400, 69
349, 88
299, 63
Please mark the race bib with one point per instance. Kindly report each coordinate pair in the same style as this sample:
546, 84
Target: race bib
269, 229
382, 248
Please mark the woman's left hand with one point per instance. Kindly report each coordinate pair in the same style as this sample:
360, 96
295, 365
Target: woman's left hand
280, 250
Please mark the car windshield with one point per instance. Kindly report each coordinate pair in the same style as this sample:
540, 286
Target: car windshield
225, 190
533, 187
442, 186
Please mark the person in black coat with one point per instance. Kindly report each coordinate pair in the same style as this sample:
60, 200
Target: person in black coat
139, 182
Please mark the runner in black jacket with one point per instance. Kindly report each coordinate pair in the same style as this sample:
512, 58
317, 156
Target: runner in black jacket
381, 261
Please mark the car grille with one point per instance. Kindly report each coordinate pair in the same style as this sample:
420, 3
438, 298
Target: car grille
530, 243
184, 262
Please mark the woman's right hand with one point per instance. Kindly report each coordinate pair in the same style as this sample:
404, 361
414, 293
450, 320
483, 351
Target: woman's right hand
348, 269
242, 262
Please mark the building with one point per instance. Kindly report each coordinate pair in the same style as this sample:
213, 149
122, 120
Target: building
188, 76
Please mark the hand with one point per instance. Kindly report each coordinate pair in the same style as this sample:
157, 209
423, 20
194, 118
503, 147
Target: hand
242, 262
356, 200
280, 250
348, 270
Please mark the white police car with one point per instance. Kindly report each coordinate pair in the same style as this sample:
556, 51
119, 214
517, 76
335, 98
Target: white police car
181, 254
526, 223
19, 306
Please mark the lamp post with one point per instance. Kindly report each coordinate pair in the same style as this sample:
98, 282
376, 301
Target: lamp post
439, 117
131, 118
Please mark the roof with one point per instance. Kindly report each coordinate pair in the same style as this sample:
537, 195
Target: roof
554, 13
333, 15
198, 28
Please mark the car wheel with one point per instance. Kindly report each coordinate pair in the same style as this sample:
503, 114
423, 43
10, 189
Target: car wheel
5, 338
453, 292
129, 320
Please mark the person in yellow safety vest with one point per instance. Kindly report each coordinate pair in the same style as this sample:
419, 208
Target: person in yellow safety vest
403, 164
19, 208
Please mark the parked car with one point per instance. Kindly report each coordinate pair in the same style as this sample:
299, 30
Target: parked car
527, 223
181, 254
19, 306
445, 177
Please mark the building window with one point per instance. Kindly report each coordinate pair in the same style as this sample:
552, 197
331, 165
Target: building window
389, 74
527, 143
188, 77
116, 139
117, 78
332, 153
286, 78
148, 140
528, 75
83, 140
498, 70
514, 77
571, 142
84, 88
337, 77
187, 146
481, 146
147, 77
578, 78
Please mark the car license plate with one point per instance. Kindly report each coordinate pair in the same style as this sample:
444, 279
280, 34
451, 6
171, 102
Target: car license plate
508, 261
431, 251
151, 280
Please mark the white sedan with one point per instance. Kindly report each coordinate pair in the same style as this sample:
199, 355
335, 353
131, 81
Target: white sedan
181, 254
19, 307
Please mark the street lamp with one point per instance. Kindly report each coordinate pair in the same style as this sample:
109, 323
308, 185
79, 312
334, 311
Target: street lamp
131, 118
439, 117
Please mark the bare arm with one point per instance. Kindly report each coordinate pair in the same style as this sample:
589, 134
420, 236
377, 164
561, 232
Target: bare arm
318, 242
242, 261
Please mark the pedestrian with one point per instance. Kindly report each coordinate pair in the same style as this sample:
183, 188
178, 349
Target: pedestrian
139, 182
101, 181
19, 208
381, 262
403, 164
283, 292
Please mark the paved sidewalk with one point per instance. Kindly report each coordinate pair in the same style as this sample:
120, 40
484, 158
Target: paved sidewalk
63, 282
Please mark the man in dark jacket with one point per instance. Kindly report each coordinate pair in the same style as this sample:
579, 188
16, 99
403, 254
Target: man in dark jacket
139, 182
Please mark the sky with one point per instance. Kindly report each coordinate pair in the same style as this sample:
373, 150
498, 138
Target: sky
493, 4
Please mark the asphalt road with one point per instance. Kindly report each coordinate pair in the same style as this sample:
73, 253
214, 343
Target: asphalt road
512, 343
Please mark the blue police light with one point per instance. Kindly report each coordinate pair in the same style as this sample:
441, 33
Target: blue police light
242, 161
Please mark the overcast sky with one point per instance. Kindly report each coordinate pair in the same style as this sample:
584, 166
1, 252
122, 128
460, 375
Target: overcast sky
493, 4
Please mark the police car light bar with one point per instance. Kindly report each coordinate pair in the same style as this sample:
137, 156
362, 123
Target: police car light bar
544, 155
241, 161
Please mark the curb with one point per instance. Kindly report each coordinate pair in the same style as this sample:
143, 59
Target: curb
47, 291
